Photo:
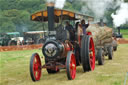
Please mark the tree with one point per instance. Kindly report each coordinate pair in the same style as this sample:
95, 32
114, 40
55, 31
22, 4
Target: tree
7, 26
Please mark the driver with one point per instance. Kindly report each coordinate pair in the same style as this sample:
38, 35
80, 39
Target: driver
70, 28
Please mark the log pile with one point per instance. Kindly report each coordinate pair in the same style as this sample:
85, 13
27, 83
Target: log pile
101, 35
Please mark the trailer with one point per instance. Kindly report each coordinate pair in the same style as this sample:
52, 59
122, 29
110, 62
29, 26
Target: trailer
105, 42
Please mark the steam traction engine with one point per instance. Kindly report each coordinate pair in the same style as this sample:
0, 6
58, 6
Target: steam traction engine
59, 50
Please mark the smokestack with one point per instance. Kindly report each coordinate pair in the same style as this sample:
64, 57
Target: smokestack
50, 10
118, 30
101, 22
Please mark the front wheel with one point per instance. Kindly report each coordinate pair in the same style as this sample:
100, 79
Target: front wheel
71, 65
35, 67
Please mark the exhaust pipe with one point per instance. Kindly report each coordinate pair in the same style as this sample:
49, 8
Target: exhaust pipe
118, 30
101, 22
50, 10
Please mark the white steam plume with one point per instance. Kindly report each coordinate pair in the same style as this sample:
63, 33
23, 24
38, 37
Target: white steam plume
58, 3
98, 7
121, 16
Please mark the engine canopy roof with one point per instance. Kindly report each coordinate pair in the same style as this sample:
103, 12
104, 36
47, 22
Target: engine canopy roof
42, 16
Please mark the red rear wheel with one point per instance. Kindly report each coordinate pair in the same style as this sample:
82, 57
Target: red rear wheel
35, 67
92, 54
87, 53
71, 65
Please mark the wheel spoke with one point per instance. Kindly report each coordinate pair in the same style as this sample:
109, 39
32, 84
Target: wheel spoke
92, 54
73, 73
90, 49
36, 66
34, 72
71, 65
74, 67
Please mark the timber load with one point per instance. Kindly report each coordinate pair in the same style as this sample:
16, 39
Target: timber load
101, 34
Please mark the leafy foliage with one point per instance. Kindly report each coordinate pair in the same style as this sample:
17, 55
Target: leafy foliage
15, 14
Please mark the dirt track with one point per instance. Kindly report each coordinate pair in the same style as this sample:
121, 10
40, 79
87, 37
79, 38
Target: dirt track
21, 47
122, 41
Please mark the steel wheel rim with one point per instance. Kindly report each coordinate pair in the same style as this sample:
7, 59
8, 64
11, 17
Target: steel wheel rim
37, 67
92, 54
73, 66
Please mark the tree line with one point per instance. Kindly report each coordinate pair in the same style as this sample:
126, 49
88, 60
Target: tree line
15, 14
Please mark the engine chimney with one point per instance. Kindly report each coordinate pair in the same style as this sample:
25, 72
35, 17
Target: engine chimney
50, 10
118, 30
101, 22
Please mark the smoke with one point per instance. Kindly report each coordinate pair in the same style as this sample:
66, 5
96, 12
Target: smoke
121, 16
58, 3
99, 7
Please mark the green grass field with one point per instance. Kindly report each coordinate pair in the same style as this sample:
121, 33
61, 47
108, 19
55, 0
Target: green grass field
124, 32
14, 70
